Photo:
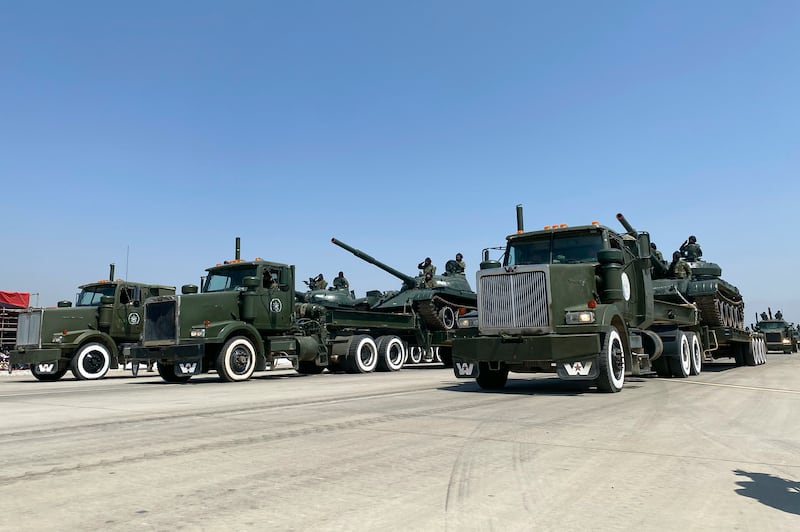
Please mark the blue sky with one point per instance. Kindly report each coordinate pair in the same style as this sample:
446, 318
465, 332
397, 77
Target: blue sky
151, 134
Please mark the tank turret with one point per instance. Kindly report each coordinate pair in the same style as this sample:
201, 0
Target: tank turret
439, 305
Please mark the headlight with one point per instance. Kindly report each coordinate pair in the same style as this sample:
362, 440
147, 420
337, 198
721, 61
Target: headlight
463, 323
786, 341
198, 333
57, 337
579, 317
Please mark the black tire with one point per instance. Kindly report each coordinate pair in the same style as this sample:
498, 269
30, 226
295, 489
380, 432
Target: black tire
236, 361
696, 348
309, 367
681, 363
739, 351
91, 362
612, 363
661, 367
751, 353
167, 372
362, 354
391, 353
49, 377
446, 354
491, 379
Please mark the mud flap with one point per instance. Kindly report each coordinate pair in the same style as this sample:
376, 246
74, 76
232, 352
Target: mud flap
188, 367
578, 370
464, 369
47, 368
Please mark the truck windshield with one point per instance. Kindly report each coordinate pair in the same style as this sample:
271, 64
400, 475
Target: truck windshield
90, 295
557, 249
771, 325
229, 279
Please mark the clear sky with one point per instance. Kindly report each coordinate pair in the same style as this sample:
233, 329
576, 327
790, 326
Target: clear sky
150, 134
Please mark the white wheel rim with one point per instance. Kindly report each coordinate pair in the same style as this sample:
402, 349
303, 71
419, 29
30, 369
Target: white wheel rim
686, 356
615, 359
240, 350
93, 350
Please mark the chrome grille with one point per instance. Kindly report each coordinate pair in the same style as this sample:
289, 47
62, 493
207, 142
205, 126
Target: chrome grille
513, 301
29, 329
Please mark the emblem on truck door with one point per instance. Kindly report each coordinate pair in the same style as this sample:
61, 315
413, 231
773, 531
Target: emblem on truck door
275, 305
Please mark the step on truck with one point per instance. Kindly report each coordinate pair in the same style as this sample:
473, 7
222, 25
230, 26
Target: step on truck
247, 317
88, 338
581, 302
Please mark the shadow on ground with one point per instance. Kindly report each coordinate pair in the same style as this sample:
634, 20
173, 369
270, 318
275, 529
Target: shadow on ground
776, 492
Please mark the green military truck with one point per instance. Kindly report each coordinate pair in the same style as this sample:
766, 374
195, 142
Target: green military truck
580, 302
248, 316
88, 338
779, 334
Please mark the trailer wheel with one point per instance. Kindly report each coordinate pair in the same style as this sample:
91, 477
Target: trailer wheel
415, 354
612, 363
391, 353
752, 356
697, 356
681, 365
446, 354
362, 354
91, 362
167, 372
236, 360
491, 379
49, 377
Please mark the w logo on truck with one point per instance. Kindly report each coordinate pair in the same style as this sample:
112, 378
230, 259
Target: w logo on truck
186, 368
46, 368
465, 369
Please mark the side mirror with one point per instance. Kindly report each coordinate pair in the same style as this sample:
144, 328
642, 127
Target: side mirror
189, 289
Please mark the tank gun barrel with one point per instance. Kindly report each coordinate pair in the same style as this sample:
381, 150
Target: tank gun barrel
388, 269
628, 227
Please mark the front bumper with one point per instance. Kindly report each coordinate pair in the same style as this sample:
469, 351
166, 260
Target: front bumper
34, 356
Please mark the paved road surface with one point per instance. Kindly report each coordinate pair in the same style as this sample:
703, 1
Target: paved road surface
413, 450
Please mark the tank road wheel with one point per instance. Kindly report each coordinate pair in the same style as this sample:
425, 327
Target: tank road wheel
491, 379
415, 354
391, 353
167, 372
681, 365
697, 355
49, 377
236, 360
362, 354
91, 362
448, 317
612, 363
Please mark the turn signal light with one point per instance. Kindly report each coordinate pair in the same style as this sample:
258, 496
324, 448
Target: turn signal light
591, 303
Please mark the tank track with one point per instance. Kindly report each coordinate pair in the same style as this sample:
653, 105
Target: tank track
429, 310
719, 311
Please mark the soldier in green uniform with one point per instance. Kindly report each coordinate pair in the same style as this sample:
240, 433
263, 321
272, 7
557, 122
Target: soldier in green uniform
678, 268
320, 283
429, 282
341, 282
657, 253
426, 267
690, 249
461, 264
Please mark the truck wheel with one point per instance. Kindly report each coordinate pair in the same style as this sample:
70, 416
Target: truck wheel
697, 355
448, 317
362, 354
391, 353
661, 367
762, 350
91, 362
309, 367
491, 379
446, 354
236, 360
415, 354
167, 372
681, 364
612, 363
49, 377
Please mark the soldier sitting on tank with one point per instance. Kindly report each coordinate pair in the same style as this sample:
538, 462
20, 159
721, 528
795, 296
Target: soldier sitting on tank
658, 255
679, 269
764, 316
340, 282
462, 266
319, 283
426, 267
429, 282
690, 249
779, 315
